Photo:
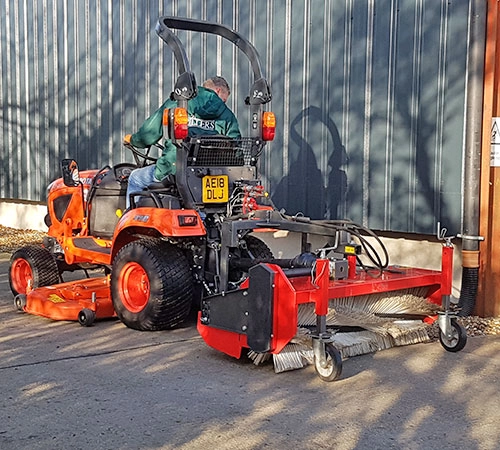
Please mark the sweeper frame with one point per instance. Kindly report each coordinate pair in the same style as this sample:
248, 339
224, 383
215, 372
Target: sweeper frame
262, 315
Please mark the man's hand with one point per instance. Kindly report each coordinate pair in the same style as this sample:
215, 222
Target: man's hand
127, 139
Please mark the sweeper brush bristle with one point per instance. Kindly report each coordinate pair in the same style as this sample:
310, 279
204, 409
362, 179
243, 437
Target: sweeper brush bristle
365, 313
259, 358
408, 301
365, 309
293, 356
298, 353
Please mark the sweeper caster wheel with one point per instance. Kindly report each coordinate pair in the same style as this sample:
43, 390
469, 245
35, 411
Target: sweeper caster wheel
20, 302
457, 338
329, 367
86, 317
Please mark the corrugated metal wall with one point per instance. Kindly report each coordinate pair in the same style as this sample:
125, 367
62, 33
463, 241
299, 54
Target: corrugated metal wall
369, 96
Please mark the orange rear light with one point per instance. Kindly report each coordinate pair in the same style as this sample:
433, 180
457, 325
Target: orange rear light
175, 123
166, 112
180, 123
268, 125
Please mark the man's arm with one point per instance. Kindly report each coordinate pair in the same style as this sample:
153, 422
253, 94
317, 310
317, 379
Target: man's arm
151, 130
232, 127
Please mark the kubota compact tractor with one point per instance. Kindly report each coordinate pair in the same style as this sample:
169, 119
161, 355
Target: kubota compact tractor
166, 250
192, 240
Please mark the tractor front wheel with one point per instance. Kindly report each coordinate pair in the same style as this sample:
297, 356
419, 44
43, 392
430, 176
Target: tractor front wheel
254, 248
151, 285
32, 267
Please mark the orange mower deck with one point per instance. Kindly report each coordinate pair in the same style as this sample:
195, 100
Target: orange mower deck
82, 300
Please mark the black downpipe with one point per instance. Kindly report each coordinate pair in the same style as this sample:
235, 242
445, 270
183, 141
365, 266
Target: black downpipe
472, 161
468, 293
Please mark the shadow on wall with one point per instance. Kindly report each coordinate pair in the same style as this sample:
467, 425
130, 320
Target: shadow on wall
303, 190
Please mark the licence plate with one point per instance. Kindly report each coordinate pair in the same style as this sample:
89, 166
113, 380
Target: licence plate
215, 189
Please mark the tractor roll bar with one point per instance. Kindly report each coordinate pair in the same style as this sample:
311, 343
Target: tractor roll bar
260, 92
185, 86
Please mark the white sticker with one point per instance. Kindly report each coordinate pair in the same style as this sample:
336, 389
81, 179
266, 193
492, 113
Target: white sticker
495, 142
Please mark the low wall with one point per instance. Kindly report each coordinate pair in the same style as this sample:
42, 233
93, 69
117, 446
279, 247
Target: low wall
23, 214
405, 250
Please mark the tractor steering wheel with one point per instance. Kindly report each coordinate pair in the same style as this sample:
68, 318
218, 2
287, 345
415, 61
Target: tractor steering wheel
143, 159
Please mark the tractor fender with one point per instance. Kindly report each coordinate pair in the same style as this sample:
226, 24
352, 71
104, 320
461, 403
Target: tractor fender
159, 221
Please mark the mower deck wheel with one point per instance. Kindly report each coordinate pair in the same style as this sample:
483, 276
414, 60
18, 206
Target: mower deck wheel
20, 302
457, 339
86, 317
331, 368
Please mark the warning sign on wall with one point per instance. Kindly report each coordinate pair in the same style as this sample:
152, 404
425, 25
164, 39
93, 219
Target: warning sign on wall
495, 142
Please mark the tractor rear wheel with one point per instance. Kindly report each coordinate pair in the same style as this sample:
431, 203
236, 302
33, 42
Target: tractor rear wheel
151, 285
32, 266
255, 249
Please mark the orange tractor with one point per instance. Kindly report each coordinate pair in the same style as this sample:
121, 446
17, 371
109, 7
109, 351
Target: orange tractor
192, 241
162, 253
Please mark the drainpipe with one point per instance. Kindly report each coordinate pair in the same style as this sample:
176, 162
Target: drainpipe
472, 158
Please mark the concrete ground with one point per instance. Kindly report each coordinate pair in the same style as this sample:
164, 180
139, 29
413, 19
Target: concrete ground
108, 387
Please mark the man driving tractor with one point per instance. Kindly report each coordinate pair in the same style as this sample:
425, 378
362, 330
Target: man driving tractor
208, 115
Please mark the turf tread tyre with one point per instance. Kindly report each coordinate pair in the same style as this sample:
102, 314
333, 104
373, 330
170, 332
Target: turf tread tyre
43, 267
170, 291
258, 248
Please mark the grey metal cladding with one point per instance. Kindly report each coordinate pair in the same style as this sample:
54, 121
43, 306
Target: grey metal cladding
369, 96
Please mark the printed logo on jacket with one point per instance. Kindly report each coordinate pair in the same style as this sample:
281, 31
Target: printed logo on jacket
201, 123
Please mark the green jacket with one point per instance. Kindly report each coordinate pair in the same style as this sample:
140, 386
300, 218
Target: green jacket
208, 114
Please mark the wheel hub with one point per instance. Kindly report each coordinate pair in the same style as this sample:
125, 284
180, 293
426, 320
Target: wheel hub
134, 287
21, 275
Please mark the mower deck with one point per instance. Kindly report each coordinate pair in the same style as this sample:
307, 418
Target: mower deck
66, 301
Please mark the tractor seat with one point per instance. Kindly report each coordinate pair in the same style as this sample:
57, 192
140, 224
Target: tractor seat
161, 194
